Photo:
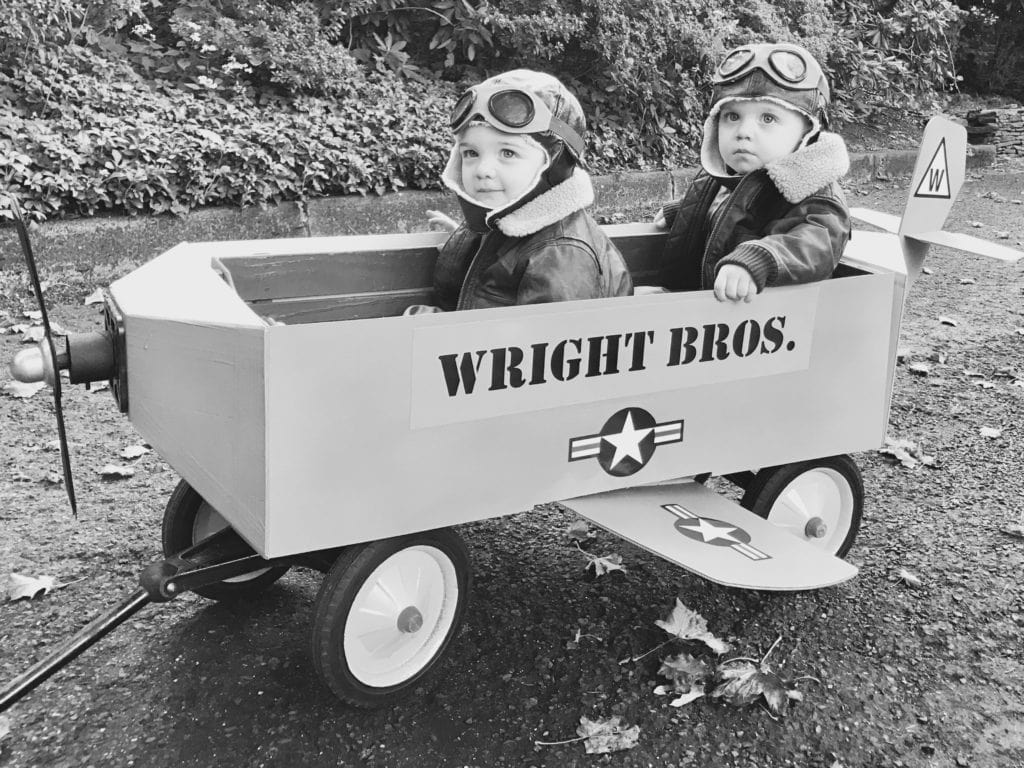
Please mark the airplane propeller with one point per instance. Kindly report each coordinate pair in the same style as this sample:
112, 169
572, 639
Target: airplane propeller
43, 363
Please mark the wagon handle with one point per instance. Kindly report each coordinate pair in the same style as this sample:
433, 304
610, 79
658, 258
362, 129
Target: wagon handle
71, 648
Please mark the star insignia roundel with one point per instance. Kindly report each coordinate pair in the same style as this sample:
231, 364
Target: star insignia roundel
626, 442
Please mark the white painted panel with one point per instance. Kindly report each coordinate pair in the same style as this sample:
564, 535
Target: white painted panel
345, 462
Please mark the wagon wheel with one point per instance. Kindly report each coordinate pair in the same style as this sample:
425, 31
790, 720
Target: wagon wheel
820, 500
188, 519
386, 612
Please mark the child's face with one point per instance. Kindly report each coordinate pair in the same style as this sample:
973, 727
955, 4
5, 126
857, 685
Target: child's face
497, 167
753, 133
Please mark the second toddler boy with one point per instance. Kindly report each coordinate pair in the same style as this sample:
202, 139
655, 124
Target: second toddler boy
766, 208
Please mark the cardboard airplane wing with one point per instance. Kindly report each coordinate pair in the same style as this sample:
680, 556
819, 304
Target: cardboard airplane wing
697, 529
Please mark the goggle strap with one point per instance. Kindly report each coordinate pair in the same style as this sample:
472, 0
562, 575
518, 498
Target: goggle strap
565, 132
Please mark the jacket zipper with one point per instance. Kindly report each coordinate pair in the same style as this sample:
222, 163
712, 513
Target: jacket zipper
719, 216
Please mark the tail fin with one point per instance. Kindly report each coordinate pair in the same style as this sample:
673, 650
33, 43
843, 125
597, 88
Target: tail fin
938, 176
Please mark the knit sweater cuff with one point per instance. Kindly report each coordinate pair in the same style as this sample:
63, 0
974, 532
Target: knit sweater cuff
756, 259
670, 211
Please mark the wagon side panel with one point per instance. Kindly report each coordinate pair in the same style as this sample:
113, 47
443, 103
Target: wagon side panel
196, 395
373, 432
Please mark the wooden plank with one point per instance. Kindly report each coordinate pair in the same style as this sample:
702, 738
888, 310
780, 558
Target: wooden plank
329, 308
285, 276
717, 539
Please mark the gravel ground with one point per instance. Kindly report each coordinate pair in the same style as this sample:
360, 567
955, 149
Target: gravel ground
927, 675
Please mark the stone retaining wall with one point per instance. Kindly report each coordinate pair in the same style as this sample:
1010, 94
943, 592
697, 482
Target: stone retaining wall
1001, 128
111, 239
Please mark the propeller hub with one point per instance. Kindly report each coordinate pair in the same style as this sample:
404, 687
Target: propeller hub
33, 364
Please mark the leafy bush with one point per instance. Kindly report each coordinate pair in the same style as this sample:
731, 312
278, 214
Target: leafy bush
165, 105
101, 140
992, 56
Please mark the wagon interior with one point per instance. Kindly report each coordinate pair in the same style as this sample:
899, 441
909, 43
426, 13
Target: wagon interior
382, 281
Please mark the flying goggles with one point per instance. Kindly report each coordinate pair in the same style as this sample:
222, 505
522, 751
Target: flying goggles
514, 111
787, 65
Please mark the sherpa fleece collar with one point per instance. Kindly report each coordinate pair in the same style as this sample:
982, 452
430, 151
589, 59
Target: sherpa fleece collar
801, 174
573, 194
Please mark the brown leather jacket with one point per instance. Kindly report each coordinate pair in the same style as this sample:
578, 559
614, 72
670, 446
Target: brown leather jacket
568, 259
785, 224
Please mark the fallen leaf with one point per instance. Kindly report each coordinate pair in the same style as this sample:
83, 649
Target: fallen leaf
113, 470
5, 727
684, 698
1019, 331
919, 369
985, 384
578, 530
96, 297
906, 452
28, 587
977, 224
969, 372
35, 315
927, 270
908, 578
134, 451
33, 334
990, 432
967, 281
683, 669
608, 735
687, 624
599, 566
745, 683
22, 390
947, 320
1002, 234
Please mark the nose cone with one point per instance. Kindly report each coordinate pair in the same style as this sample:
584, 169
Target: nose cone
27, 366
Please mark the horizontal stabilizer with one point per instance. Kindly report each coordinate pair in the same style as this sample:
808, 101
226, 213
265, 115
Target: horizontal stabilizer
885, 221
957, 240
970, 244
714, 537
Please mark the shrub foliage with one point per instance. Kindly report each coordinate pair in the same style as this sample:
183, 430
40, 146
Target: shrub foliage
166, 105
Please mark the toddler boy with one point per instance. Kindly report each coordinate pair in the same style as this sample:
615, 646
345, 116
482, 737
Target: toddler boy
516, 168
766, 207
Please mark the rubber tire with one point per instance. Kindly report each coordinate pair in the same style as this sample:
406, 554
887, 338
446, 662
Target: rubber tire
334, 601
769, 483
178, 533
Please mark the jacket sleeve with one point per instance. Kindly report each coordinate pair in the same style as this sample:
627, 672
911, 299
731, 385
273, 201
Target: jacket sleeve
561, 270
802, 246
452, 262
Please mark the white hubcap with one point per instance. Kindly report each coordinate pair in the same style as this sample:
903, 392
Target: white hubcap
817, 505
208, 521
401, 616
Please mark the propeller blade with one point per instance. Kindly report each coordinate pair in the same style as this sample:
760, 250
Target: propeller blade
30, 260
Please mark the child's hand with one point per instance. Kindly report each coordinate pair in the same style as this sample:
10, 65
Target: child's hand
442, 221
734, 283
659, 219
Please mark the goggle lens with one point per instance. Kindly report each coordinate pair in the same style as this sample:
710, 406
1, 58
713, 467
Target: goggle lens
513, 108
788, 65
734, 62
